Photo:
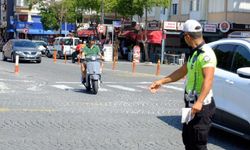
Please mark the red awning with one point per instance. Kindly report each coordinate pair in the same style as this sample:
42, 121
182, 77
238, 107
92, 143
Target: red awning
129, 34
154, 37
85, 33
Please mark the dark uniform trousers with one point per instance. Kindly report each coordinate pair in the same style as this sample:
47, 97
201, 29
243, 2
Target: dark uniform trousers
195, 133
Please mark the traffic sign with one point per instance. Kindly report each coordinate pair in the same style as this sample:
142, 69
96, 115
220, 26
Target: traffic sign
101, 28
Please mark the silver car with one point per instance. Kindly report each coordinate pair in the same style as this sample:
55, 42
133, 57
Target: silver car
232, 86
26, 49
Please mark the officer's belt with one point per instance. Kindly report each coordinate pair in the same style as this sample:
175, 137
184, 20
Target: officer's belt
206, 101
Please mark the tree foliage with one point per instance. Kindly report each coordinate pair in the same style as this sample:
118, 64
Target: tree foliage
56, 12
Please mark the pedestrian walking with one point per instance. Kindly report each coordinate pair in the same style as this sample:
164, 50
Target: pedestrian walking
198, 95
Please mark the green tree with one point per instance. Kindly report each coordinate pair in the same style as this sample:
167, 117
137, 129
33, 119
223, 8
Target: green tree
146, 6
55, 13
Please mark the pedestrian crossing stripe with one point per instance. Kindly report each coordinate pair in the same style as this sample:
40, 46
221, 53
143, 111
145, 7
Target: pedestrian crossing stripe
124, 88
120, 87
173, 87
63, 87
131, 83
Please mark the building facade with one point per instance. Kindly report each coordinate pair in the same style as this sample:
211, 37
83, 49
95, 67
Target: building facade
234, 13
26, 23
3, 19
219, 18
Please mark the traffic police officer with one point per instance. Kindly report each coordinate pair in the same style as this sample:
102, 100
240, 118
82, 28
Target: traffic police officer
199, 69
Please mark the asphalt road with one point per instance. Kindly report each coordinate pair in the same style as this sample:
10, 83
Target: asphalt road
44, 106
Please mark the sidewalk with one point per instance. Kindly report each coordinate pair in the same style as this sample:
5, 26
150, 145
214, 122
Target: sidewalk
141, 68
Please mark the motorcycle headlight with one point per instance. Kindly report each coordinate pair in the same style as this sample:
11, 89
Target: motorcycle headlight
93, 58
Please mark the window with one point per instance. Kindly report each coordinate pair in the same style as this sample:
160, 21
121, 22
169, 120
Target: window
185, 7
194, 5
174, 9
241, 58
224, 54
163, 11
77, 41
67, 41
216, 6
21, 3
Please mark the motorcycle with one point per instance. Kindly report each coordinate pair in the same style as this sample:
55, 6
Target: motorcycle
93, 73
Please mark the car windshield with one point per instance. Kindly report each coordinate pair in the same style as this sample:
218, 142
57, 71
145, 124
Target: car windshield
77, 41
68, 41
24, 44
41, 43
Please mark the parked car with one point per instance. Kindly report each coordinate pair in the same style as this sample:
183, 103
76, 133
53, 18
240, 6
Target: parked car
232, 86
41, 45
26, 49
65, 45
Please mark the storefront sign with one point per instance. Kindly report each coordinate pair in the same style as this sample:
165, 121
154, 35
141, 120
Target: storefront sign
180, 26
153, 25
236, 26
170, 25
224, 26
245, 34
117, 24
210, 27
108, 52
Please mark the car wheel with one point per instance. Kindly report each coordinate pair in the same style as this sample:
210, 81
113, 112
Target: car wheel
58, 56
49, 55
39, 61
13, 58
4, 58
46, 53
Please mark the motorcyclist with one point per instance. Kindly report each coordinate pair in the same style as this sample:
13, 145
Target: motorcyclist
91, 49
77, 51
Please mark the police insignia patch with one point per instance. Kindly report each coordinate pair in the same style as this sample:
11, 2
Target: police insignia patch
206, 58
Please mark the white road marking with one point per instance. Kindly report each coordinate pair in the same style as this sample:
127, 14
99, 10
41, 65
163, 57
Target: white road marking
63, 87
148, 83
3, 87
68, 82
10, 80
36, 87
173, 87
124, 88
143, 86
103, 90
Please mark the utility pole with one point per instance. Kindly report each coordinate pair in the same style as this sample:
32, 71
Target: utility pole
102, 12
226, 9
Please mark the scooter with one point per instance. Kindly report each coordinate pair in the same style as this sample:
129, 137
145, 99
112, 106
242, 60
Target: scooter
93, 73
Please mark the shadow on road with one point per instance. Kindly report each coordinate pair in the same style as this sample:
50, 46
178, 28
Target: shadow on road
82, 90
174, 121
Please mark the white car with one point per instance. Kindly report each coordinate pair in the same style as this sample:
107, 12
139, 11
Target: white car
232, 86
65, 45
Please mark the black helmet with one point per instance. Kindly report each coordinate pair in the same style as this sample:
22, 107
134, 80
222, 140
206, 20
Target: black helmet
92, 38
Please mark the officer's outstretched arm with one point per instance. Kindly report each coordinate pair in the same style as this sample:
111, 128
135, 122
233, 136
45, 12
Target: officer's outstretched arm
175, 76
